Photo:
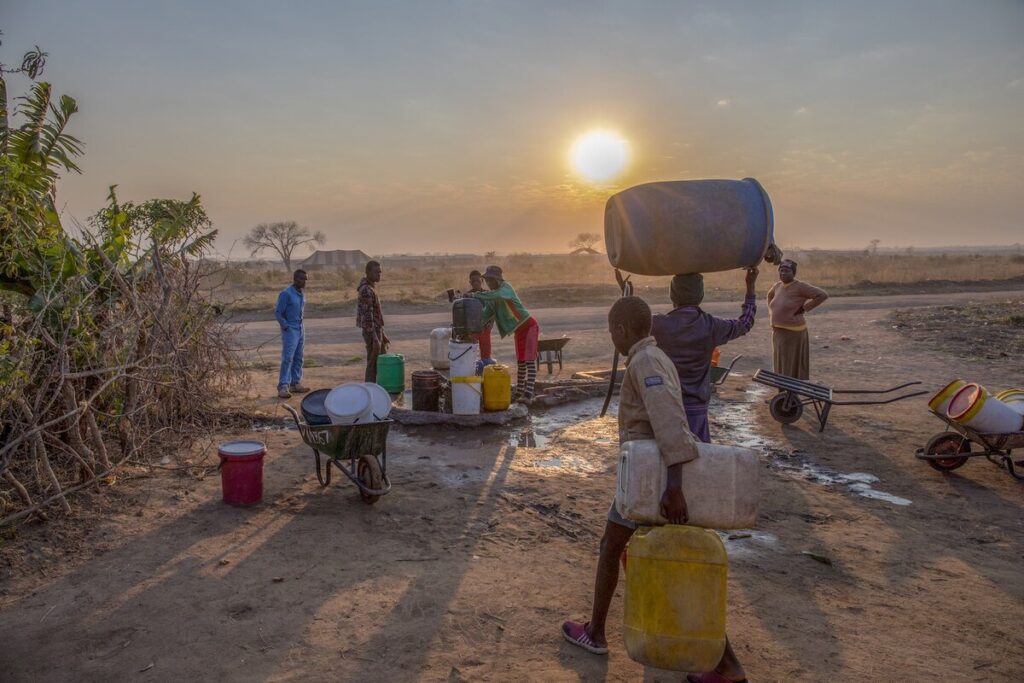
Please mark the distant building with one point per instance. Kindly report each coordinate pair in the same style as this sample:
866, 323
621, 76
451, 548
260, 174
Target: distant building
335, 258
585, 251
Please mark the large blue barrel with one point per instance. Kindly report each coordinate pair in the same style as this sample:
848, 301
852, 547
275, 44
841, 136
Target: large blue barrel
688, 226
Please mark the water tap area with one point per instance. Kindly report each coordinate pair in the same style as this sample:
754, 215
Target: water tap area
574, 438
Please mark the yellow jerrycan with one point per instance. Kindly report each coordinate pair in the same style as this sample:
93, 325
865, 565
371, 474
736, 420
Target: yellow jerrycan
675, 598
497, 387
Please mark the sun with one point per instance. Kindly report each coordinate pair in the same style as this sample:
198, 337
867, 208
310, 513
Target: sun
600, 155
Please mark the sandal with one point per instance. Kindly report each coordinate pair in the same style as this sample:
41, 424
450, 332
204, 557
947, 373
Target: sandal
576, 633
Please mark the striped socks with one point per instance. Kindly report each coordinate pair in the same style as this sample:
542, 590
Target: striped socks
531, 380
526, 381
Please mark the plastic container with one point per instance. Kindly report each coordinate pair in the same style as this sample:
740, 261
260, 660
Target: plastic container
466, 384
439, 339
721, 486
674, 609
380, 403
467, 318
391, 372
497, 387
426, 390
940, 401
974, 407
688, 226
483, 363
313, 410
241, 472
1013, 398
348, 404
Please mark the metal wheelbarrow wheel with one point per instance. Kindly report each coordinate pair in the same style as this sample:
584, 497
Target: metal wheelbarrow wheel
951, 443
786, 408
369, 474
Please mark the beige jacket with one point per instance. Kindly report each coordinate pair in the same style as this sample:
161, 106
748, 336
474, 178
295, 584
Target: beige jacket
785, 300
651, 404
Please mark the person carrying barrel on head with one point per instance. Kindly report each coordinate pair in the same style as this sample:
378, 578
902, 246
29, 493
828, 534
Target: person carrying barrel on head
788, 300
509, 315
650, 407
689, 336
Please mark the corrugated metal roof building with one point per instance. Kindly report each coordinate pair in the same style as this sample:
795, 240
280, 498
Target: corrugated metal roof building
335, 258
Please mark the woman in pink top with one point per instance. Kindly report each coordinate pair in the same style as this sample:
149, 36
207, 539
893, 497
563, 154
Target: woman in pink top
788, 301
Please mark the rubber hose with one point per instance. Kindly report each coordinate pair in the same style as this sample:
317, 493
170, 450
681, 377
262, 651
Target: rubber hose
627, 290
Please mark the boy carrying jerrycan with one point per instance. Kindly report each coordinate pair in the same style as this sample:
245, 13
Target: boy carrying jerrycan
650, 407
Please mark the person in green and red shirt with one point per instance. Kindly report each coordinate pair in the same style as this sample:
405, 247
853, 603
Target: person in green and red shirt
502, 305
476, 284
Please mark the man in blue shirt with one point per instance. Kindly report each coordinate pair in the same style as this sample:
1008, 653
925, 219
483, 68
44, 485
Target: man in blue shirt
288, 312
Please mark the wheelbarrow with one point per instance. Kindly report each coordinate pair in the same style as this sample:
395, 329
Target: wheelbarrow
949, 450
794, 394
550, 351
364, 445
720, 374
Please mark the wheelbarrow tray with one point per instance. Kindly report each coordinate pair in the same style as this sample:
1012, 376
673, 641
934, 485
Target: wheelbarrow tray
997, 447
347, 441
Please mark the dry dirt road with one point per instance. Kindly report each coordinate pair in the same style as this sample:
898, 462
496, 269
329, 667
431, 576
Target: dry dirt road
489, 539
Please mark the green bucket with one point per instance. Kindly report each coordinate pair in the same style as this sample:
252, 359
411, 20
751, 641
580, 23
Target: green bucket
391, 372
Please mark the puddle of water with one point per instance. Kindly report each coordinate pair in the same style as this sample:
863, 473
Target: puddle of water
858, 478
543, 426
528, 438
748, 542
735, 423
273, 424
868, 492
855, 482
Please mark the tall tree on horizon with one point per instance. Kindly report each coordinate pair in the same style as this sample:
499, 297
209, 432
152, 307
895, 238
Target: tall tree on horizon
283, 238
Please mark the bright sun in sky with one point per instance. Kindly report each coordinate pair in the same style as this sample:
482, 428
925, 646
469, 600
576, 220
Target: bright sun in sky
600, 155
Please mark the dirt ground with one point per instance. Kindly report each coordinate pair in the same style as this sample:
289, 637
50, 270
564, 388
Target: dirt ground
489, 540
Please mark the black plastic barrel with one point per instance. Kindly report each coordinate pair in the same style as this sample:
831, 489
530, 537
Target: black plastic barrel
467, 318
426, 390
313, 410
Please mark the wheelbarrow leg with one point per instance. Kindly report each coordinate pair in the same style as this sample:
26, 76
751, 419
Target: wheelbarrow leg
319, 474
823, 416
1009, 466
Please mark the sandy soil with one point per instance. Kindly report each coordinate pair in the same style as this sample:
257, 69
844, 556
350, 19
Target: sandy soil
489, 540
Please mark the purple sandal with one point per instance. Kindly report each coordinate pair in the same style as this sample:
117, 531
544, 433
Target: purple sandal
576, 633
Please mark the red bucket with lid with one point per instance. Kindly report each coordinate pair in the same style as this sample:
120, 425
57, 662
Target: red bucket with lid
241, 471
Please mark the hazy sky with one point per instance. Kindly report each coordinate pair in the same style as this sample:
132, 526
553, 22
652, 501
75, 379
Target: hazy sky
446, 126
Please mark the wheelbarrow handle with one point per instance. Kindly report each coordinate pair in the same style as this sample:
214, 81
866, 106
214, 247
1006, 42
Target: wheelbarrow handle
878, 403
874, 391
295, 415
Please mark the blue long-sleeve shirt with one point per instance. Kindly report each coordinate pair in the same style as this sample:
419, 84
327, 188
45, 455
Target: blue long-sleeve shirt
288, 311
688, 336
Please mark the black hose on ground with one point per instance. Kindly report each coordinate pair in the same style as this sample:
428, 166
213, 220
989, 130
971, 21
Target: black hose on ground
627, 290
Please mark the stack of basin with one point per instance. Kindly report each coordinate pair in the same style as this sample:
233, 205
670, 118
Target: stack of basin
357, 402
973, 406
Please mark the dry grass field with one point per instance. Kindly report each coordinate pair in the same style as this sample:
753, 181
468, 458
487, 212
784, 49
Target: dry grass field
564, 280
